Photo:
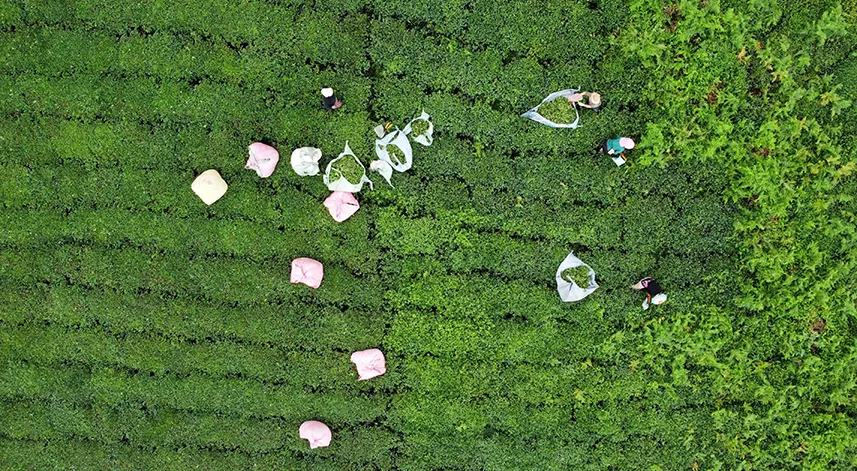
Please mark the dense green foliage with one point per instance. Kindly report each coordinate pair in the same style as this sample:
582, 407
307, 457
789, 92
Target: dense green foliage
396, 154
559, 110
347, 167
141, 329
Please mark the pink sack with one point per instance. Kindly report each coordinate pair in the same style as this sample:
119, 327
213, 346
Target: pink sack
341, 205
316, 433
263, 159
307, 271
370, 363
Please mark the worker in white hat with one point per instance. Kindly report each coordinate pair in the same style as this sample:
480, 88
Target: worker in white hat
591, 100
329, 99
618, 145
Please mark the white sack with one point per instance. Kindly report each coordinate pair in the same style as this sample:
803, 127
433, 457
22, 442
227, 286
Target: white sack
562, 94
305, 161
424, 139
568, 290
341, 183
400, 139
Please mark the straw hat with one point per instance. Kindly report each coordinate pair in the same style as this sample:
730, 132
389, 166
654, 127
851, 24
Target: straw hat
594, 98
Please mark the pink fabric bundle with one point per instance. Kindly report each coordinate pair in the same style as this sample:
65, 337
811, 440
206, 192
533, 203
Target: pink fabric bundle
316, 433
341, 205
263, 159
307, 271
370, 363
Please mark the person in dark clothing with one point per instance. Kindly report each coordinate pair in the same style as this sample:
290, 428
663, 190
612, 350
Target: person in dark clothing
329, 99
654, 292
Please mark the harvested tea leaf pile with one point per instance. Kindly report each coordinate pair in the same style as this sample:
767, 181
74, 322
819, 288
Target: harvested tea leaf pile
559, 110
396, 154
578, 275
419, 127
347, 167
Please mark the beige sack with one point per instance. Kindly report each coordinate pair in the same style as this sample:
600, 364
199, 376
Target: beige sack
209, 186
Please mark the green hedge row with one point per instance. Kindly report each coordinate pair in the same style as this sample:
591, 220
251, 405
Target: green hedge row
353, 450
551, 201
117, 228
93, 98
641, 227
48, 142
485, 66
312, 34
503, 453
521, 421
51, 142
222, 280
444, 66
431, 294
33, 180
511, 26
146, 429
222, 359
87, 455
169, 193
233, 115
268, 440
537, 224
551, 422
57, 52
568, 379
229, 397
483, 445
314, 331
150, 430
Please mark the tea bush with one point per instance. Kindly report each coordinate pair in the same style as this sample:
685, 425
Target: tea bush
141, 329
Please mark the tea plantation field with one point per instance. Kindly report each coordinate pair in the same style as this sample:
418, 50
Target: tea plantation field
142, 329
